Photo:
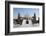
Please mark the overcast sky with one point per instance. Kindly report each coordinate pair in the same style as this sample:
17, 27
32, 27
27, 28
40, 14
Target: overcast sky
25, 11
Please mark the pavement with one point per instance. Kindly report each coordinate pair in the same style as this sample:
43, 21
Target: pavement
25, 25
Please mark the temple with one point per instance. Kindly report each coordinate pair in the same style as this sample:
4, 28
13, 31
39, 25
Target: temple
20, 19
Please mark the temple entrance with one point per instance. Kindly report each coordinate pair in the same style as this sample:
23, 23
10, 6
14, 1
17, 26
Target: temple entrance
26, 23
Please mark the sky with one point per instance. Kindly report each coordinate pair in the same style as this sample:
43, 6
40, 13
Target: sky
25, 11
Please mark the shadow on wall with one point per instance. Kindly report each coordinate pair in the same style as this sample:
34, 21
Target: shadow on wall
11, 35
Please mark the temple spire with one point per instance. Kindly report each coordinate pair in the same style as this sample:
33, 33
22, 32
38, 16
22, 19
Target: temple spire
18, 15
